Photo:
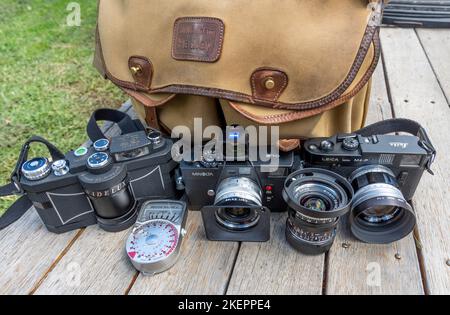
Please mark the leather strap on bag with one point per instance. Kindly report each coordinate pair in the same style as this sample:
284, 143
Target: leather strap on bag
151, 117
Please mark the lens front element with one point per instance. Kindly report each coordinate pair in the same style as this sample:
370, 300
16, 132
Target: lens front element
317, 199
380, 214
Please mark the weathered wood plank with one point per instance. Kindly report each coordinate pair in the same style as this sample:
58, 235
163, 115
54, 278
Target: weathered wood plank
417, 95
28, 251
436, 43
359, 268
380, 106
96, 264
276, 268
203, 267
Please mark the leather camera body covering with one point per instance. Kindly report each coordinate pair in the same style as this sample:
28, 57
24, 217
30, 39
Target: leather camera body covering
303, 65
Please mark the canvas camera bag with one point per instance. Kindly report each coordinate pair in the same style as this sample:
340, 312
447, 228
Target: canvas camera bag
303, 65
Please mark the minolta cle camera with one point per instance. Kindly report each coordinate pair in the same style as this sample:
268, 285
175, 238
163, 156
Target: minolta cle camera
234, 194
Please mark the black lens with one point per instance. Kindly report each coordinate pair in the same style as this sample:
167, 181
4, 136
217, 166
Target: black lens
317, 199
110, 205
380, 214
113, 202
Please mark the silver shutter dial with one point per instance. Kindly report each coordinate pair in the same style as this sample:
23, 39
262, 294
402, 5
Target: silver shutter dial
36, 169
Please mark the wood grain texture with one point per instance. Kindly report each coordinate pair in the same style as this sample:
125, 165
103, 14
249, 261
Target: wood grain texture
436, 43
275, 267
96, 264
380, 106
359, 268
204, 267
27, 251
417, 95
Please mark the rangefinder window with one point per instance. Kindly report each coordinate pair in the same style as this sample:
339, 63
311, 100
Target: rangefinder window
411, 160
130, 155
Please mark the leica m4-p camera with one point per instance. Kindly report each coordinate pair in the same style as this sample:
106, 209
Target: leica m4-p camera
384, 172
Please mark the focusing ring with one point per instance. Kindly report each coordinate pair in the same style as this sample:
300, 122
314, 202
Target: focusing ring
323, 227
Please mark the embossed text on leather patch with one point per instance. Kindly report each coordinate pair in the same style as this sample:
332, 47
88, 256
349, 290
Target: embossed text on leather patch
198, 39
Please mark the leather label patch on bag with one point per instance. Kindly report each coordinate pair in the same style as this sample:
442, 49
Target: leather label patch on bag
198, 39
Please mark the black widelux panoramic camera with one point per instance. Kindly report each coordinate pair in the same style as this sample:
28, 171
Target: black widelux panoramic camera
99, 184
236, 195
384, 172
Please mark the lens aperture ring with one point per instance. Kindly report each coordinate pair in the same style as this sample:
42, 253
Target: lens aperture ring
316, 224
309, 243
238, 188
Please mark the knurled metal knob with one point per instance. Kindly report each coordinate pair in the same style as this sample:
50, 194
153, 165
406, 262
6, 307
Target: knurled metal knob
60, 168
36, 169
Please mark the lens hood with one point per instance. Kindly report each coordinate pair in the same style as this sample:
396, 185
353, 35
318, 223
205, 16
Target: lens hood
330, 180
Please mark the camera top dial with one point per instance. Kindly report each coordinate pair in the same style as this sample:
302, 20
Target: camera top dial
36, 169
99, 162
350, 144
101, 145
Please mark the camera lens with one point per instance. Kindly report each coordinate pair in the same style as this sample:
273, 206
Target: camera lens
380, 214
234, 201
111, 197
317, 199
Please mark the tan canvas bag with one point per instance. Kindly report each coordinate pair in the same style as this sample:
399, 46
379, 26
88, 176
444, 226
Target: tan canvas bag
304, 65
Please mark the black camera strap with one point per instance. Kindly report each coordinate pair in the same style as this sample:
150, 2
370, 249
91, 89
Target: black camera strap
17, 210
123, 120
402, 125
23, 204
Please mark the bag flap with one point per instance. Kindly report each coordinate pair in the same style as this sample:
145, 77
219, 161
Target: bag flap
290, 54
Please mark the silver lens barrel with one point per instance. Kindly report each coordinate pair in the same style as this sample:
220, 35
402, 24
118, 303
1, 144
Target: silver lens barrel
239, 188
380, 213
237, 201
370, 169
376, 190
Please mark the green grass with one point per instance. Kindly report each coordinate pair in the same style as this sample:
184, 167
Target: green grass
48, 85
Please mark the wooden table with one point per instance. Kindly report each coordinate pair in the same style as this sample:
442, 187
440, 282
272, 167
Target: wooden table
414, 82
